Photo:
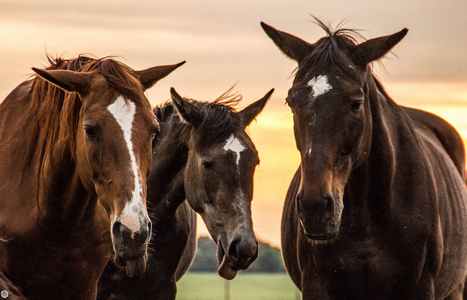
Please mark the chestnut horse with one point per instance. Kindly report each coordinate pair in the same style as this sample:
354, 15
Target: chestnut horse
203, 155
75, 152
377, 208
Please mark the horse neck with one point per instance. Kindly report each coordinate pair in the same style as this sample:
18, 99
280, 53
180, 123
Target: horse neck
369, 194
393, 133
166, 182
61, 194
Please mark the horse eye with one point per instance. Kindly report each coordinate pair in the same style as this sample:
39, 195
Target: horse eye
91, 131
356, 105
207, 164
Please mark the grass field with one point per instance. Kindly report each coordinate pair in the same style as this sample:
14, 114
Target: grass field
209, 286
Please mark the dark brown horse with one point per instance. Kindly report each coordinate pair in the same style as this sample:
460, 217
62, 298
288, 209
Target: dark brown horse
75, 151
377, 208
203, 155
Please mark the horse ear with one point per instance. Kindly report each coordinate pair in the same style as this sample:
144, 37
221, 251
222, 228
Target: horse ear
187, 111
249, 113
69, 81
152, 75
378, 47
291, 45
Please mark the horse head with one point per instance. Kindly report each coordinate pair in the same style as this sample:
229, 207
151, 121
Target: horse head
219, 176
113, 151
331, 110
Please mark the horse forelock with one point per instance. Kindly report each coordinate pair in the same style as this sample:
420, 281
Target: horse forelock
123, 79
334, 49
219, 122
120, 76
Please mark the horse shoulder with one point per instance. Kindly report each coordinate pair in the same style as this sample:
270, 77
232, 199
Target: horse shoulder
40, 261
18, 192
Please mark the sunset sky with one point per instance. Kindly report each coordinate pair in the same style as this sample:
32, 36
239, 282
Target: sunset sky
224, 44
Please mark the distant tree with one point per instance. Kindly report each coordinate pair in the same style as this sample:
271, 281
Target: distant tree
269, 259
206, 257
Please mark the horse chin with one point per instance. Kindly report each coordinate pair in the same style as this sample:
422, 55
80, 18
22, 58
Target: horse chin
324, 236
321, 238
133, 266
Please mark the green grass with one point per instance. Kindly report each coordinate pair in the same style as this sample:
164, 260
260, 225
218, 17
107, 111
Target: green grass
209, 286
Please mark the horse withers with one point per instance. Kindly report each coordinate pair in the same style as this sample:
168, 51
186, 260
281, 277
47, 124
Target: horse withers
377, 208
202, 154
75, 151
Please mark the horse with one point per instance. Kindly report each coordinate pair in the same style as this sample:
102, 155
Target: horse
206, 162
377, 207
75, 151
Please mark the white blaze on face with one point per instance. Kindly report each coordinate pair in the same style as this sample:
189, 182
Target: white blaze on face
320, 85
124, 112
235, 145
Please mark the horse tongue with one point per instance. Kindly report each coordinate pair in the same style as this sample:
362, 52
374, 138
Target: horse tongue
225, 271
135, 266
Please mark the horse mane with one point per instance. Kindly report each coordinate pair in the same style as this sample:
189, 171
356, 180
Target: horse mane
220, 120
54, 113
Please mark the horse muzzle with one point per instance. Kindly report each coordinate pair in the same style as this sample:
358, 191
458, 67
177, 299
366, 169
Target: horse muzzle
130, 241
237, 255
320, 217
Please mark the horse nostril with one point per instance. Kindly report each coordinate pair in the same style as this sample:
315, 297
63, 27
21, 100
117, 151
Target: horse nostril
243, 251
124, 235
233, 251
322, 206
149, 231
117, 232
329, 204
